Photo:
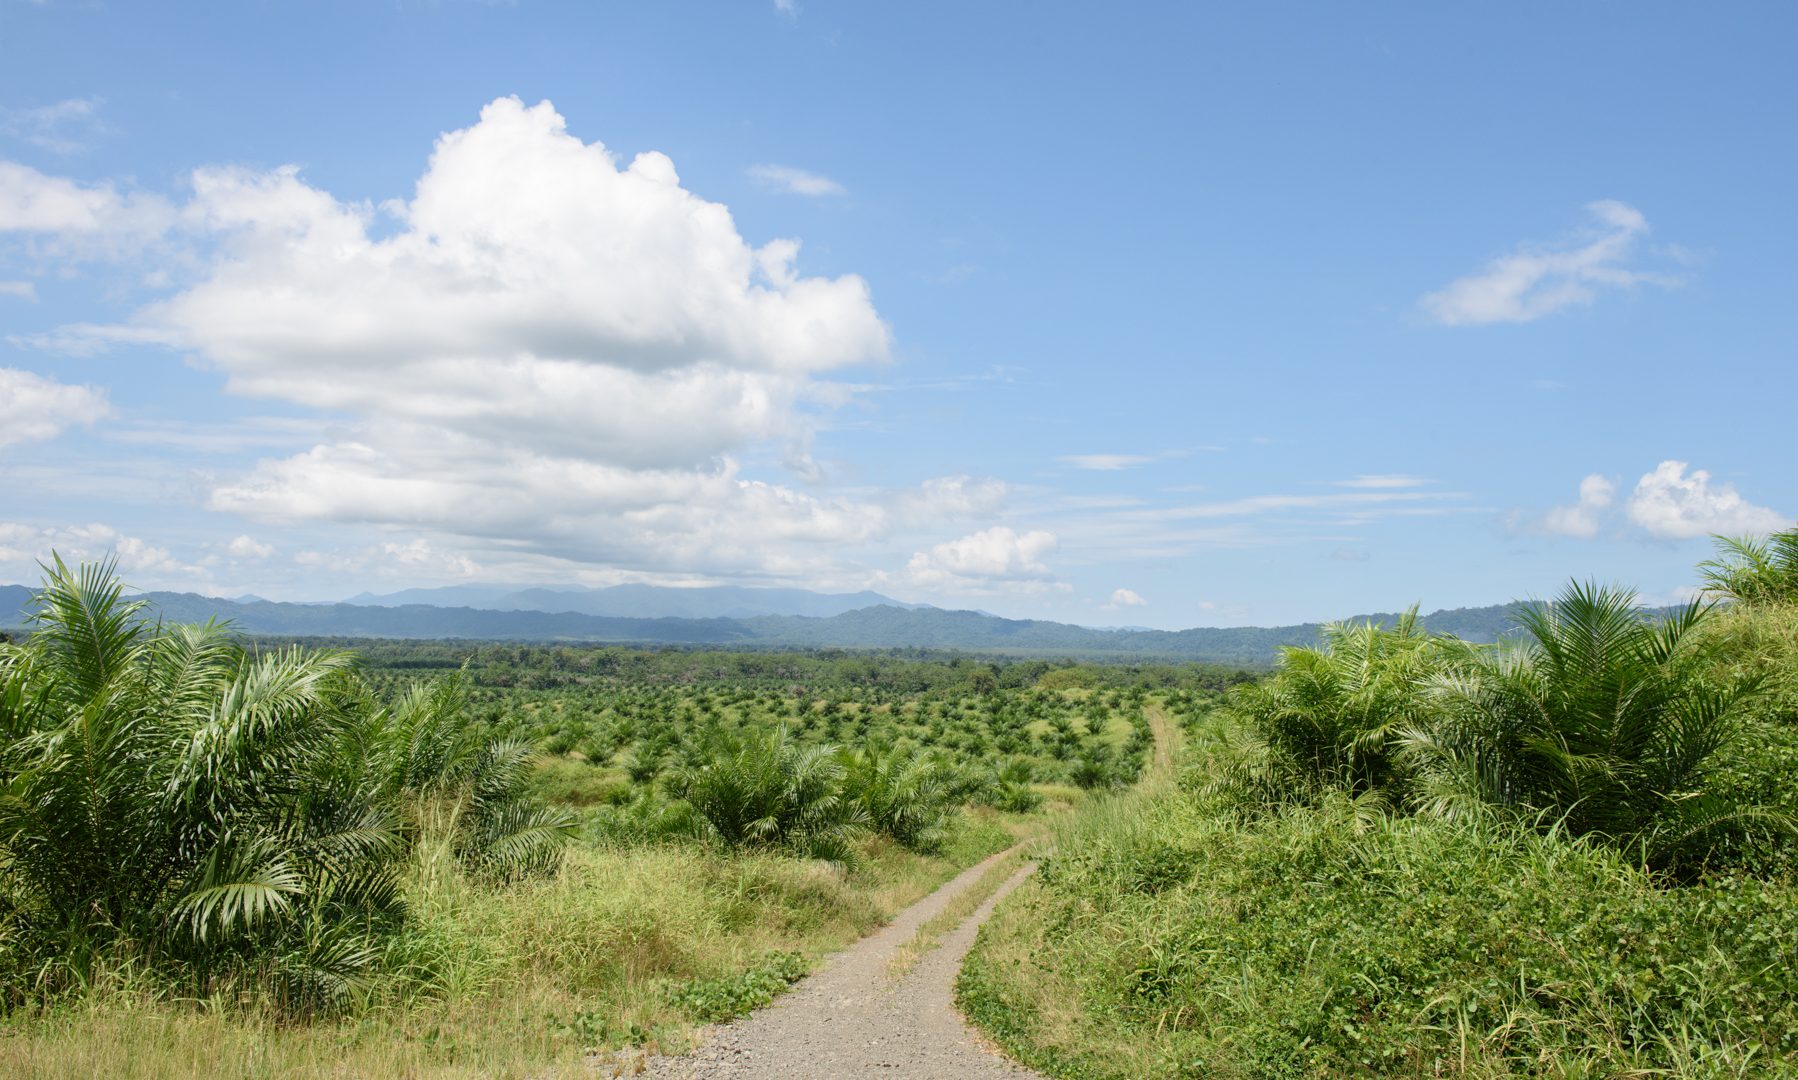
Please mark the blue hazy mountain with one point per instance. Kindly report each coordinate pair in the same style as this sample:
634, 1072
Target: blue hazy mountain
875, 626
637, 601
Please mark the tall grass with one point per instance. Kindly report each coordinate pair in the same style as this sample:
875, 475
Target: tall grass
622, 949
1175, 939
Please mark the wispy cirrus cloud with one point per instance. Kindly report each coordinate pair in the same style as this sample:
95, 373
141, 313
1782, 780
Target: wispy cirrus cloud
1382, 481
792, 181
1105, 462
1538, 280
1119, 462
63, 127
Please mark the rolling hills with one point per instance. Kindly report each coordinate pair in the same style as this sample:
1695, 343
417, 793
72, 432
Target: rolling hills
884, 625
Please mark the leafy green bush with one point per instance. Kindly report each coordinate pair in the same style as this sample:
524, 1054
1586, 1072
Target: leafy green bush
715, 1000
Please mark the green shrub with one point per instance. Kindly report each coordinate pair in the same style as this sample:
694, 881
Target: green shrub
714, 1000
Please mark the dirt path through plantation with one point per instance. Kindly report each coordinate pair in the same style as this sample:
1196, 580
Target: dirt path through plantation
1167, 743
850, 1019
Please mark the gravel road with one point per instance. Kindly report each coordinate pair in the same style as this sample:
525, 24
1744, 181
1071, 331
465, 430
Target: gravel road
850, 1019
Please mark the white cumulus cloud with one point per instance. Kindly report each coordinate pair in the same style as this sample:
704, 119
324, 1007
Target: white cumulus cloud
33, 408
248, 547
546, 347
24, 548
1581, 520
1539, 280
34, 203
1123, 598
1676, 505
994, 559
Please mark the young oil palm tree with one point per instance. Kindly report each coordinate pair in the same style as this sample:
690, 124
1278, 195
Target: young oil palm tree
905, 795
1605, 722
167, 795
766, 789
1326, 719
1754, 571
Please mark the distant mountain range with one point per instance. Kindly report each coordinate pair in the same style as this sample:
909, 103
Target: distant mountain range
638, 601
881, 625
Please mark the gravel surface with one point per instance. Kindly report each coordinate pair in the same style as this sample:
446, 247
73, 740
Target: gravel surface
850, 1019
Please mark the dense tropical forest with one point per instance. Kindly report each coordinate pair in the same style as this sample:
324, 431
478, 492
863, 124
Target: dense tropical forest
1569, 853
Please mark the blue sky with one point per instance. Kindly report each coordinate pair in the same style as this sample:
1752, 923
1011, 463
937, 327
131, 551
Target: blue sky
1153, 315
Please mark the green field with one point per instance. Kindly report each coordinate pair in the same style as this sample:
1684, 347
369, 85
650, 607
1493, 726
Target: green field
485, 860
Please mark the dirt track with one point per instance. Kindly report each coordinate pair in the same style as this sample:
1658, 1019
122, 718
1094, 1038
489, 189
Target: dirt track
849, 1019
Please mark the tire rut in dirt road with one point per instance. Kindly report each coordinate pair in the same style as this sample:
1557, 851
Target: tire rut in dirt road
849, 1019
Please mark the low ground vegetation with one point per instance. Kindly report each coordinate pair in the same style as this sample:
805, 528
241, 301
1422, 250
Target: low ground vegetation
1570, 855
